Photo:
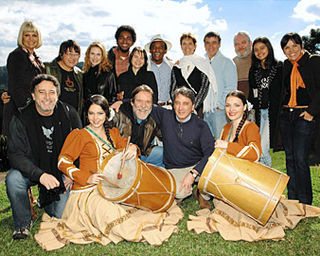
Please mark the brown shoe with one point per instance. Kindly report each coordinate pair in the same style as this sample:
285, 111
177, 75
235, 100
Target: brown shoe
203, 203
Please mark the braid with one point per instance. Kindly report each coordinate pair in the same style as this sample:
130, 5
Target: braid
243, 120
109, 137
107, 126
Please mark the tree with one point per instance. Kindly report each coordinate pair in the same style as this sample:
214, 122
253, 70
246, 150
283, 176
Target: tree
312, 42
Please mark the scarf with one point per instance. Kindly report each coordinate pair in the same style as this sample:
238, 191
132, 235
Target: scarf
62, 126
187, 64
296, 82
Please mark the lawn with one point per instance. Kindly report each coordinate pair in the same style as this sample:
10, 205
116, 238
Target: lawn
303, 240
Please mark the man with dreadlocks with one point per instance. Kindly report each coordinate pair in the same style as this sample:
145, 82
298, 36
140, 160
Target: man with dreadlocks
239, 137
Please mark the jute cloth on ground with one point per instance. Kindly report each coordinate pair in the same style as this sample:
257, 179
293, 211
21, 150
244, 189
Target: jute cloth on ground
88, 217
234, 225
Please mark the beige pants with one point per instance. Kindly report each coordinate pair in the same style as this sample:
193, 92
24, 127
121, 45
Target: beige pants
179, 174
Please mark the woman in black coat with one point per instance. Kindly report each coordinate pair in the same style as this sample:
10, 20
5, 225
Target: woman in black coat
300, 109
98, 77
136, 75
23, 65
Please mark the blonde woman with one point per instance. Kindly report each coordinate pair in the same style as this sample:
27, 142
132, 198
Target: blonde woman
23, 65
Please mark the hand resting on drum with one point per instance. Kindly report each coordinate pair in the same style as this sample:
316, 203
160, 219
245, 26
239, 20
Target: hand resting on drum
221, 144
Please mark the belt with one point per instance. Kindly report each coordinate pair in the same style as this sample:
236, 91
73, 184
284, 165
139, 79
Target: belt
297, 108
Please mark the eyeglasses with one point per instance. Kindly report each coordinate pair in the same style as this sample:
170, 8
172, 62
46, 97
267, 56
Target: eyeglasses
72, 55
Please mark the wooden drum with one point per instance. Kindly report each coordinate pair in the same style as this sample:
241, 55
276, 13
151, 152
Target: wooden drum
250, 187
142, 185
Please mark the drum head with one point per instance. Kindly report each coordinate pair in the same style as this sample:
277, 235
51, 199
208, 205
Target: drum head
112, 186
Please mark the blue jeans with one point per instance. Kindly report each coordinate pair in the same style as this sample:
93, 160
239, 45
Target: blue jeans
265, 137
297, 135
17, 190
155, 157
216, 120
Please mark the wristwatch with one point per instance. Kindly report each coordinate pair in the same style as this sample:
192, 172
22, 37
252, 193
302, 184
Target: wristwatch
195, 175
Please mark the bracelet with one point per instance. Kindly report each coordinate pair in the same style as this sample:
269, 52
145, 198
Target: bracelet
194, 175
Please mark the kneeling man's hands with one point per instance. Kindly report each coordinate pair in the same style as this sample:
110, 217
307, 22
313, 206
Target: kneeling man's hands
49, 181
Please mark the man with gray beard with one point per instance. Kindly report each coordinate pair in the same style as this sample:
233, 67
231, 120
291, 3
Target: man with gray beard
133, 119
242, 47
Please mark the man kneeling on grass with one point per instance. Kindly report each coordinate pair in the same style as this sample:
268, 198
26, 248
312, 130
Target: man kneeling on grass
187, 143
35, 139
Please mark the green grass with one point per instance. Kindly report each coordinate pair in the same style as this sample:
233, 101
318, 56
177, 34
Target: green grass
303, 240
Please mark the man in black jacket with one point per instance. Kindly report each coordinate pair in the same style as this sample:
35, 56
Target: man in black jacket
36, 136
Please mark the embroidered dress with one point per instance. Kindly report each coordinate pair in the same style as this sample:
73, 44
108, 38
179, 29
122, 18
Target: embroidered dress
88, 217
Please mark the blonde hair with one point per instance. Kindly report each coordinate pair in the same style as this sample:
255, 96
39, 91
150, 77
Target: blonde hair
105, 64
28, 26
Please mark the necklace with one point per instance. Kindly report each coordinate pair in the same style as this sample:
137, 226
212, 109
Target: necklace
101, 139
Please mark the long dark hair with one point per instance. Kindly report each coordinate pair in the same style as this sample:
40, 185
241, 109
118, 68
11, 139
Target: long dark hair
104, 104
270, 61
145, 56
242, 97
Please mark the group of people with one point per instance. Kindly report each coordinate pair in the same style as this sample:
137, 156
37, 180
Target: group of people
172, 115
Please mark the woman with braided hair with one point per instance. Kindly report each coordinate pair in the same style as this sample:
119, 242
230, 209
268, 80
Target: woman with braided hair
239, 137
88, 216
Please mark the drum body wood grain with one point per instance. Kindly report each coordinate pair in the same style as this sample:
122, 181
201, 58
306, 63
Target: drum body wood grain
142, 185
250, 187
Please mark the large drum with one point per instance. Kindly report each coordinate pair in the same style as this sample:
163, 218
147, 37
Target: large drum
250, 187
142, 185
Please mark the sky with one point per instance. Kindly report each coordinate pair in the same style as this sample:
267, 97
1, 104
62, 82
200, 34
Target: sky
89, 20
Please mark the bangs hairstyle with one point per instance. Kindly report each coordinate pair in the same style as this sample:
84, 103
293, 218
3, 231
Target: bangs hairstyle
68, 45
294, 37
29, 26
270, 58
104, 65
145, 56
189, 36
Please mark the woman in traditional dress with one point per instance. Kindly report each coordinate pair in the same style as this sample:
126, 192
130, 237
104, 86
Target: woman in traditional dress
265, 80
89, 217
239, 137
195, 73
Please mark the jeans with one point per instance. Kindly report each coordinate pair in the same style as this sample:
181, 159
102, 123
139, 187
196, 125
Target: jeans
155, 157
17, 190
265, 137
297, 135
216, 120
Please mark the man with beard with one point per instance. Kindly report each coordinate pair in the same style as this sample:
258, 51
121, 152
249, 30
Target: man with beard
242, 46
35, 139
119, 55
161, 66
133, 119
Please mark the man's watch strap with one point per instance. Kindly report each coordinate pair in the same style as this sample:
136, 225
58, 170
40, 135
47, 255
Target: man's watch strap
194, 174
